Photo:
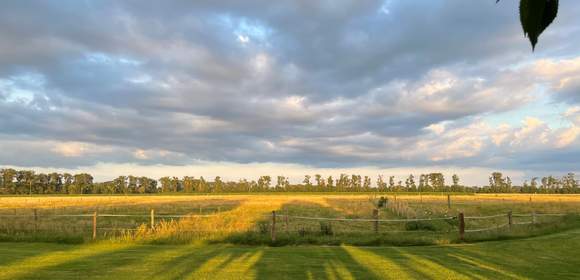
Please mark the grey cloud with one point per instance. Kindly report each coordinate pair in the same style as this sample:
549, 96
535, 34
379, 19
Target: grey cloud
171, 75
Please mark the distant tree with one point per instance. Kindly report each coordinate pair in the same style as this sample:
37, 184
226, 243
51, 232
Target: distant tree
410, 183
355, 183
422, 183
525, 187
399, 186
569, 183
381, 184
437, 181
307, 182
330, 183
202, 185
132, 184
188, 184
147, 185
83, 183
320, 183
456, 187
8, 177
497, 183
165, 184
367, 184
534, 185
218, 185
264, 183
55, 183
67, 181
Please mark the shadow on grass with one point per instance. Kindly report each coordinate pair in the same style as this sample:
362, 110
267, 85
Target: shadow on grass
516, 259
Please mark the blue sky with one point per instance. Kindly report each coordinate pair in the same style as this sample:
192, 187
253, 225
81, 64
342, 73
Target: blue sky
248, 88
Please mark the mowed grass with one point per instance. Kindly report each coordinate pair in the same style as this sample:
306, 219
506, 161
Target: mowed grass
553, 256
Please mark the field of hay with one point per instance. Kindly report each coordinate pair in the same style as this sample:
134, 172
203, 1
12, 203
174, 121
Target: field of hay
301, 218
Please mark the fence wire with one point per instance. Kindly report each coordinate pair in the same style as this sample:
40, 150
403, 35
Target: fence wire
276, 216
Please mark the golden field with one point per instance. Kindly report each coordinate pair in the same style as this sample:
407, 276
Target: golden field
216, 217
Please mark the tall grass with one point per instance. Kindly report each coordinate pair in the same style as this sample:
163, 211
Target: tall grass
247, 218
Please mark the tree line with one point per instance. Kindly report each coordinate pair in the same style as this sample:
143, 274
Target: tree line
29, 182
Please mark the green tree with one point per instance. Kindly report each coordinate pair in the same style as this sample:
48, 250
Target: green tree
437, 181
188, 184
320, 183
410, 183
307, 182
381, 184
456, 187
8, 177
367, 184
392, 183
218, 185
83, 183
282, 183
264, 183
330, 183
55, 183
202, 185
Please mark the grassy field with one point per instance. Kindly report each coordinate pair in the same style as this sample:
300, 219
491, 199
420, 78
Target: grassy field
552, 256
228, 237
246, 219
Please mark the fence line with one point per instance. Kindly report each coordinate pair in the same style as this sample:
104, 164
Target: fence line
487, 229
364, 220
109, 215
552, 214
289, 216
274, 215
485, 217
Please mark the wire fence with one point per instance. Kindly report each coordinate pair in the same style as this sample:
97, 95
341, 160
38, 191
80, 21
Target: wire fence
275, 222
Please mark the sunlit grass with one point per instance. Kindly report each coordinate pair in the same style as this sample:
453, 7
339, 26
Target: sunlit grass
547, 257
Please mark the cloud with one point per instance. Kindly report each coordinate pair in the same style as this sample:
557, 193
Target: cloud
71, 149
310, 83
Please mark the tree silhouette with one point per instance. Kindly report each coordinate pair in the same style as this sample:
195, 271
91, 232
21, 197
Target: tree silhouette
536, 16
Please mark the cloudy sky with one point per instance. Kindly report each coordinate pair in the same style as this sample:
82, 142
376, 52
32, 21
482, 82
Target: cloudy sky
287, 87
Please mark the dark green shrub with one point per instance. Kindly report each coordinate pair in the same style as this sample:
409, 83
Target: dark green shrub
263, 227
382, 202
326, 228
419, 225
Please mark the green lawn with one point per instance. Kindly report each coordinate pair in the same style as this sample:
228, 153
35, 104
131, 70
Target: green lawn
548, 257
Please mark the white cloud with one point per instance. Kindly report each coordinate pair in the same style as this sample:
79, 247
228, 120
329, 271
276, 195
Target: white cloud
77, 149
140, 154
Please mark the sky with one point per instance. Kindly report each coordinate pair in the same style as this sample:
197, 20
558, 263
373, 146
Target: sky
289, 87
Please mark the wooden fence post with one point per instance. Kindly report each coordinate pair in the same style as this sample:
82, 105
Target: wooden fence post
376, 221
461, 218
510, 219
533, 217
95, 225
200, 210
448, 201
35, 220
152, 219
287, 223
273, 226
